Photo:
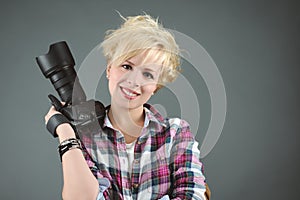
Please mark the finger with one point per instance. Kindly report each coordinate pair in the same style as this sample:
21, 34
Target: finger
52, 111
55, 102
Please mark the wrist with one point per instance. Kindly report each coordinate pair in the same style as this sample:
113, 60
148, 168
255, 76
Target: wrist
54, 121
65, 131
68, 144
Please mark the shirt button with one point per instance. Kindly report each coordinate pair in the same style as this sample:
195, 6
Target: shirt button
135, 186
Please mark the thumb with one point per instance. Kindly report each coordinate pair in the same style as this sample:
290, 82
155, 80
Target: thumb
55, 102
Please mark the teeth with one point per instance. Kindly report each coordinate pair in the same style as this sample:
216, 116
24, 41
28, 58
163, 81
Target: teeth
129, 93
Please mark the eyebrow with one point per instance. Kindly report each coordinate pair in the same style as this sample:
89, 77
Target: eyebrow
129, 62
148, 69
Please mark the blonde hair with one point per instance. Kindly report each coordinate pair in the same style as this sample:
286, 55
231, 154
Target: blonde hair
140, 34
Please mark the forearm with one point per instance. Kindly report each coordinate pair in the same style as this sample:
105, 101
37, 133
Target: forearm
189, 184
79, 182
189, 181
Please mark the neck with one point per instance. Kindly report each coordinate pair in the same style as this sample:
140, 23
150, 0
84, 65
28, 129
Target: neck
129, 121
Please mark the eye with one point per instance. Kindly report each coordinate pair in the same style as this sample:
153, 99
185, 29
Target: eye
148, 75
126, 66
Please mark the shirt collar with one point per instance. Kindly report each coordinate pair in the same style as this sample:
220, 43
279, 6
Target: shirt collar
151, 115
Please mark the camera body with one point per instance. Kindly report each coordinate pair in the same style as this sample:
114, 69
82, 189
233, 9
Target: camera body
58, 66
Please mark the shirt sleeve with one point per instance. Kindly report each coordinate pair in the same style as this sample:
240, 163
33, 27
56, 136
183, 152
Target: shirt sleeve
188, 179
166, 197
104, 183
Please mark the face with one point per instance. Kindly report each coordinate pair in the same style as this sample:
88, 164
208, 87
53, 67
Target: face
132, 83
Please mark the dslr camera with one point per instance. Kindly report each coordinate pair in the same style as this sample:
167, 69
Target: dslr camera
58, 66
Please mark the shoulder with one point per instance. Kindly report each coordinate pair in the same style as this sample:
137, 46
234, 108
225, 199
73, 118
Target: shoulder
179, 129
153, 114
175, 125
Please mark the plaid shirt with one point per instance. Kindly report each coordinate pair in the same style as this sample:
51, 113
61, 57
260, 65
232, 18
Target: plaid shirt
166, 161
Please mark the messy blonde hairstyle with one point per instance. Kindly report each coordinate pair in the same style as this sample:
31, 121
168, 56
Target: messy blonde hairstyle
139, 34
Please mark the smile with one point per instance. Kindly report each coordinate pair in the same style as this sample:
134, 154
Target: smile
129, 93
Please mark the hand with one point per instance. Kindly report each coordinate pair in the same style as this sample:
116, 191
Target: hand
50, 113
64, 128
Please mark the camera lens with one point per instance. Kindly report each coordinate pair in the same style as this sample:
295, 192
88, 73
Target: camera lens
58, 66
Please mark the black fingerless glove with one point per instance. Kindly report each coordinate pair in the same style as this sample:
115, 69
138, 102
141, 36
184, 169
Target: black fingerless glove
54, 122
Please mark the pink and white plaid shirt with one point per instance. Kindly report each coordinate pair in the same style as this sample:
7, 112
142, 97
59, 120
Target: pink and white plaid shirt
166, 161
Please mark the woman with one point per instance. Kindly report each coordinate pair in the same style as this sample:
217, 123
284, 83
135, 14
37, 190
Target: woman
136, 154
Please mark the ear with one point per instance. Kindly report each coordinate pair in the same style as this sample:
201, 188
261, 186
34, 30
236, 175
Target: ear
108, 71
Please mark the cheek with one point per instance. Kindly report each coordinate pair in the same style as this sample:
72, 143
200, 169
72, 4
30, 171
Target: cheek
149, 89
114, 78
112, 84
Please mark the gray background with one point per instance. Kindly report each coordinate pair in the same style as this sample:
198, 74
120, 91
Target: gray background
255, 45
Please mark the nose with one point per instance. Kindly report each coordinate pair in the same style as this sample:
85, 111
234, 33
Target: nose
133, 83
133, 79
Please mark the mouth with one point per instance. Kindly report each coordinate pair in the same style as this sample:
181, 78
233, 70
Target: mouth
129, 94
